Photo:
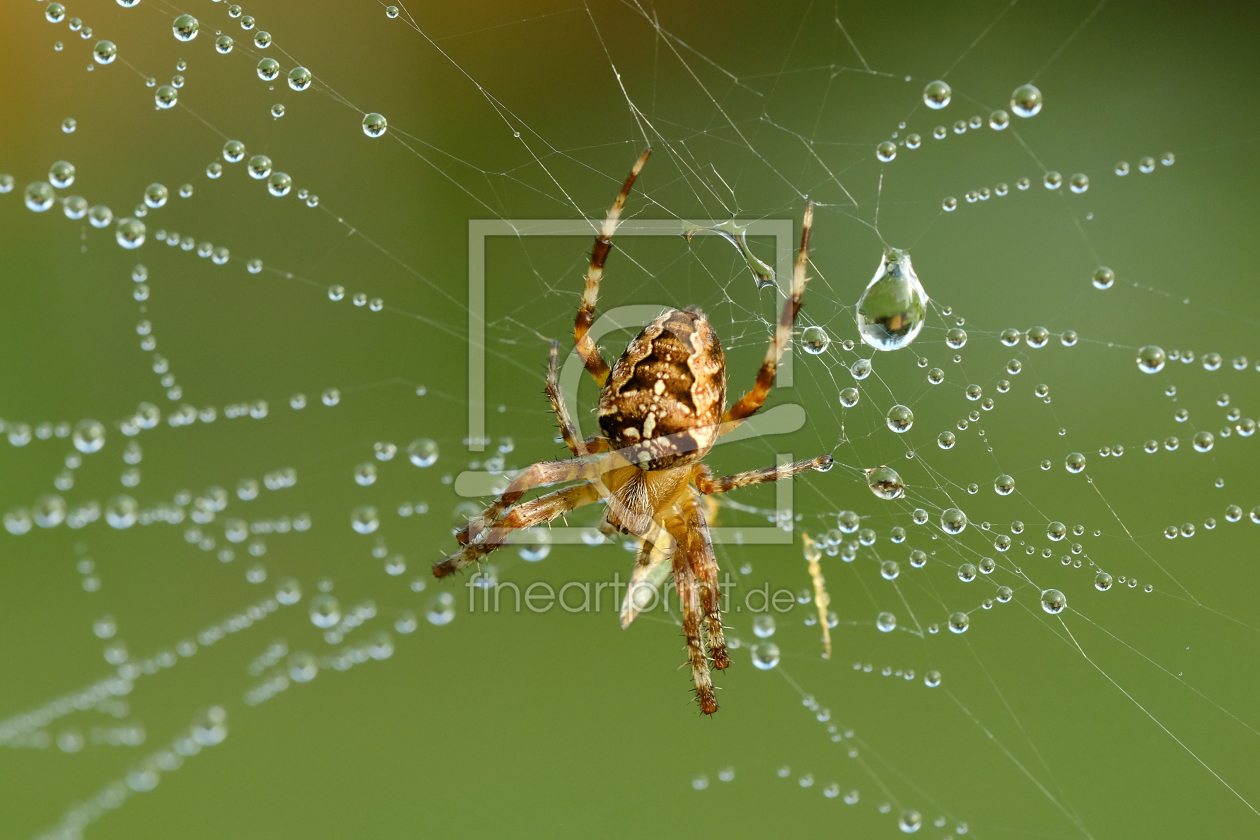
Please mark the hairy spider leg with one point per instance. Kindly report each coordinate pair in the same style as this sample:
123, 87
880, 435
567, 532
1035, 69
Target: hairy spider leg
526, 515
690, 600
540, 474
705, 567
568, 430
652, 566
609, 472
706, 483
753, 399
586, 312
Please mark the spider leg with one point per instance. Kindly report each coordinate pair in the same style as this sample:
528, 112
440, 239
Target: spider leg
537, 475
534, 512
689, 598
568, 430
651, 568
706, 483
704, 565
586, 312
753, 399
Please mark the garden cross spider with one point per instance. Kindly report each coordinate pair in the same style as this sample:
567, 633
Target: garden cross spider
661, 408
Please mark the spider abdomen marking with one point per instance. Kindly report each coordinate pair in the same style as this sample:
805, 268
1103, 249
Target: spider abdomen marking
666, 394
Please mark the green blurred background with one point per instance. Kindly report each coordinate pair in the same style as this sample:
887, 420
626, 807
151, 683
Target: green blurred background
562, 724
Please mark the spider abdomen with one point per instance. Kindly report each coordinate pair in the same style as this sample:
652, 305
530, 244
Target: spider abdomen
665, 396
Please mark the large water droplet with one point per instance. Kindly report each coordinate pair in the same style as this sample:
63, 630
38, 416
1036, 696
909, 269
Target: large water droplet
910, 822
185, 27
325, 611
893, 307
1026, 101
104, 52
814, 340
936, 95
441, 609
130, 234
885, 483
299, 78
423, 452
89, 436
364, 519
374, 125
953, 521
1150, 359
765, 656
900, 419
40, 196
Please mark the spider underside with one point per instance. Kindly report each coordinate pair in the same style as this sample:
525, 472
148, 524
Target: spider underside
662, 406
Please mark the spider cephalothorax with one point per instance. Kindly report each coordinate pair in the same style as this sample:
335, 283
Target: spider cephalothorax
661, 408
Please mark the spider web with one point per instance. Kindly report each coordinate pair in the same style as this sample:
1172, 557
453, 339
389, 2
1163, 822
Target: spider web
250, 624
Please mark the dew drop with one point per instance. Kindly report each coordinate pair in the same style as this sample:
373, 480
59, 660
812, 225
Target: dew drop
814, 340
765, 656
936, 95
364, 519
185, 28
885, 483
953, 521
374, 125
893, 307
1053, 601
900, 419
299, 78
423, 452
1026, 101
1150, 359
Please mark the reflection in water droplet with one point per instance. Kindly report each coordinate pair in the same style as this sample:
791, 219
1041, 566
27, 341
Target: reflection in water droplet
765, 655
325, 611
1026, 101
374, 125
936, 95
365, 519
892, 309
814, 340
884, 483
185, 27
440, 609
1150, 359
423, 452
900, 419
953, 521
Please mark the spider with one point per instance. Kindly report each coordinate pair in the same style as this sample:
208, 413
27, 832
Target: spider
662, 406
